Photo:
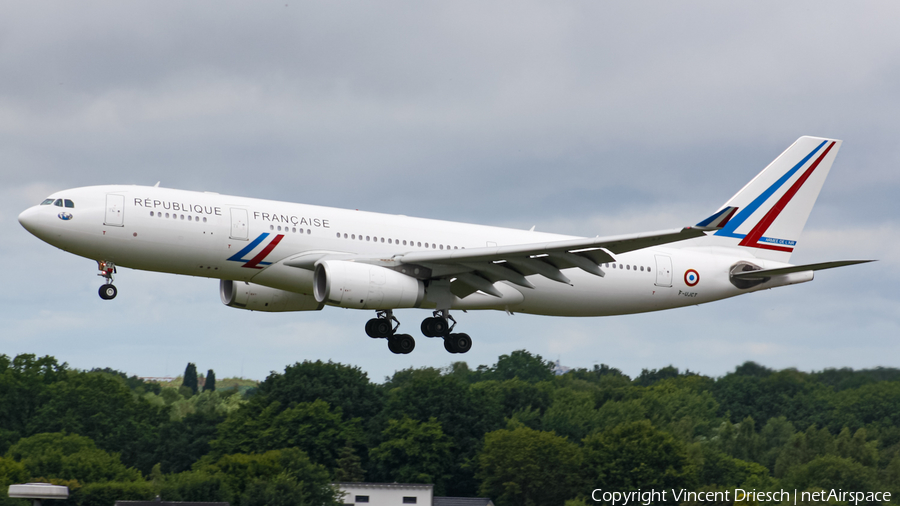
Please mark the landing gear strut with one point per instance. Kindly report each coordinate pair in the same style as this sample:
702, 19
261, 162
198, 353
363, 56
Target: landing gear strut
108, 291
382, 327
438, 326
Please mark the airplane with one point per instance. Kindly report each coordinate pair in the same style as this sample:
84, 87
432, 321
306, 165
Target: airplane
277, 256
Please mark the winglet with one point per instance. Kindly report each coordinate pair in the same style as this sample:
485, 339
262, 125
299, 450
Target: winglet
718, 220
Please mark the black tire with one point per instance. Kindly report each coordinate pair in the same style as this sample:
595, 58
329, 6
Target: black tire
440, 327
108, 292
392, 345
448, 345
404, 343
370, 328
382, 327
426, 327
461, 342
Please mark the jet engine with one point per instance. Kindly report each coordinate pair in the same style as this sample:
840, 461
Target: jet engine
243, 295
365, 286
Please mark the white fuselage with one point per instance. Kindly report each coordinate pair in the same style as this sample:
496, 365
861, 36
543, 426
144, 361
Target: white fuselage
202, 234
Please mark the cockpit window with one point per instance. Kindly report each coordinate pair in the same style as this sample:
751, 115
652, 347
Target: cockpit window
69, 203
47, 202
58, 203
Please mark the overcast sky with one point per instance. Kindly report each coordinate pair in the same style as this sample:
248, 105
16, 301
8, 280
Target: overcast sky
583, 118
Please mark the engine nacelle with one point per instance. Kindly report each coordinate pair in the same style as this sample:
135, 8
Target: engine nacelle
243, 295
365, 286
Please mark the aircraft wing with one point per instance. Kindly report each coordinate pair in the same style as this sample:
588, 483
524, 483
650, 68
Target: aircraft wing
479, 268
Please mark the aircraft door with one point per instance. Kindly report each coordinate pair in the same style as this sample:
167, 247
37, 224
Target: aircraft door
663, 270
115, 210
239, 224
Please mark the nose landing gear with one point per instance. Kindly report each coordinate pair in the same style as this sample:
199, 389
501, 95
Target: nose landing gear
381, 327
108, 291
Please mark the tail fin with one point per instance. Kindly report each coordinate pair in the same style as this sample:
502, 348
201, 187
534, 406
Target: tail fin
768, 214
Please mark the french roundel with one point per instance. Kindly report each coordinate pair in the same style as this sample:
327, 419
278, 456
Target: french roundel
691, 277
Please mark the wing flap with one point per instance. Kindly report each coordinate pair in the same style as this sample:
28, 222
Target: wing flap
512, 263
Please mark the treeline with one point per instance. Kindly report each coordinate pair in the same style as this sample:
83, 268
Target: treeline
513, 431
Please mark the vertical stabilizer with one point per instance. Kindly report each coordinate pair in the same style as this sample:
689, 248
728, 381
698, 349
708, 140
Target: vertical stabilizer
767, 216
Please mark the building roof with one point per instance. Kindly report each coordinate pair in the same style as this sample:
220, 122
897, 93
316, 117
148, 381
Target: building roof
363, 484
462, 501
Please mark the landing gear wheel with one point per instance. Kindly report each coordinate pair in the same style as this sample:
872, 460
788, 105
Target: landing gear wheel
382, 327
404, 343
462, 342
434, 327
458, 343
392, 345
108, 292
378, 327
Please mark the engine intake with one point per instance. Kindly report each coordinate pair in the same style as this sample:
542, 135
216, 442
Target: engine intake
243, 295
365, 286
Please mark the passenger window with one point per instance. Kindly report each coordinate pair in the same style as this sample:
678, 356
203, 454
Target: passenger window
47, 202
69, 203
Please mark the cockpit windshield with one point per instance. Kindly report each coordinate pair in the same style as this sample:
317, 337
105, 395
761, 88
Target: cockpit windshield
58, 203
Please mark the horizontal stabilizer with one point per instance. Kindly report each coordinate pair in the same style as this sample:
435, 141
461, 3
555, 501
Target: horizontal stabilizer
718, 220
768, 273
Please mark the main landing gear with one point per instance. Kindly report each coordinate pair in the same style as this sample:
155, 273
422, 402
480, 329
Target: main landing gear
108, 291
438, 326
382, 326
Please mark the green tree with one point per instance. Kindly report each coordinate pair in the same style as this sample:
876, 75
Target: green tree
519, 364
514, 395
190, 378
310, 426
193, 486
349, 466
831, 471
572, 414
183, 442
344, 387
525, 467
102, 408
465, 413
243, 473
210, 384
23, 383
112, 491
69, 457
413, 452
856, 447
637, 455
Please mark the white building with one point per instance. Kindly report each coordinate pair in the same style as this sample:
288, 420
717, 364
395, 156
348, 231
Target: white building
387, 494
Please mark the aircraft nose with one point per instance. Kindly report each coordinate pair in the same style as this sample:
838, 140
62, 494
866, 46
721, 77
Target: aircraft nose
30, 219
